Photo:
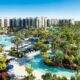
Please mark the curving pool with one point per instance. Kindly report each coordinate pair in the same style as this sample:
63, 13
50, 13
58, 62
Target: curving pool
37, 64
6, 40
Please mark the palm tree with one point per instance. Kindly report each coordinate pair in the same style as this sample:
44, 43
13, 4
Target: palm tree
3, 65
17, 42
47, 76
31, 76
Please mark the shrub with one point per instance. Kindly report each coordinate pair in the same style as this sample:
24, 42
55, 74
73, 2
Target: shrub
29, 70
1, 48
47, 61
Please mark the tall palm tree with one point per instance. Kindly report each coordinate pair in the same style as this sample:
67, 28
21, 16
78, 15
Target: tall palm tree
17, 42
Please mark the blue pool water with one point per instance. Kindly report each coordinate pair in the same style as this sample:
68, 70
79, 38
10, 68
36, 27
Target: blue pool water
37, 64
6, 40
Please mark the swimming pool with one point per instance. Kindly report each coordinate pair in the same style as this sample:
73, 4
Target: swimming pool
37, 64
6, 40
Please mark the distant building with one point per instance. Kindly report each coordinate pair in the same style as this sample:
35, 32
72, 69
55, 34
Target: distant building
54, 22
45, 21
42, 21
6, 22
63, 22
27, 22
24, 23
48, 22
16, 23
72, 21
0, 22
19, 22
13, 23
31, 22
77, 22
36, 22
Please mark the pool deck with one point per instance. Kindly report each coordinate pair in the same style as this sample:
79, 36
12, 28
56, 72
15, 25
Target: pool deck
32, 54
18, 69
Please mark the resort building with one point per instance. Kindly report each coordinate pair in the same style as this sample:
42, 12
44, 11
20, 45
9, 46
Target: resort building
54, 22
0, 22
63, 22
45, 22
13, 23
6, 22
19, 22
36, 22
26, 22
77, 22
42, 21
48, 22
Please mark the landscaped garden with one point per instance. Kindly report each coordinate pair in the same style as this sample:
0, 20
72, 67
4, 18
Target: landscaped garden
64, 56
3, 68
66, 48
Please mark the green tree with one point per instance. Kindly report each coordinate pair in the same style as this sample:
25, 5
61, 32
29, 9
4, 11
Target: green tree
17, 42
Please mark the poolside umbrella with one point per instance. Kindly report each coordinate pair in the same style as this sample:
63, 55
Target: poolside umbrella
11, 59
12, 76
31, 49
9, 67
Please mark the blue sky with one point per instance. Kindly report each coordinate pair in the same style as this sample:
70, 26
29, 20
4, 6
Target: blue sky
49, 8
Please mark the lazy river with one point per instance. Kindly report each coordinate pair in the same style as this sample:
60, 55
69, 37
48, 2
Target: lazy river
36, 63
6, 40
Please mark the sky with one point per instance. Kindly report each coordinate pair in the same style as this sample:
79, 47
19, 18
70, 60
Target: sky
48, 8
